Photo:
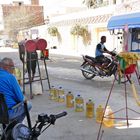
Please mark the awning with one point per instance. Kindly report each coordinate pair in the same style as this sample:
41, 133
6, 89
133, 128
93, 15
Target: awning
119, 22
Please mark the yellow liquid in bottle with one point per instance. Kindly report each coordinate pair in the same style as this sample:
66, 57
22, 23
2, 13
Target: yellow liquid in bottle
55, 95
61, 95
79, 103
108, 120
51, 93
69, 100
17, 73
89, 109
99, 114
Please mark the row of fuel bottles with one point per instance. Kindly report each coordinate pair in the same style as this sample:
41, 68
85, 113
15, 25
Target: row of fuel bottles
77, 103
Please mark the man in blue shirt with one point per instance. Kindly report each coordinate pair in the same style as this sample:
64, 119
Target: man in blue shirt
100, 50
10, 88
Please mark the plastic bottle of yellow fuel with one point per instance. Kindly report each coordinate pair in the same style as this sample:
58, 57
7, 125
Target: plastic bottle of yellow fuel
55, 94
108, 120
79, 104
69, 100
17, 73
99, 113
90, 109
51, 93
61, 95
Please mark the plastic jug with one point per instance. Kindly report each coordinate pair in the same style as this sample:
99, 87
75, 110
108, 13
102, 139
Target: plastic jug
69, 100
17, 74
90, 109
55, 94
108, 120
61, 95
51, 92
79, 104
99, 113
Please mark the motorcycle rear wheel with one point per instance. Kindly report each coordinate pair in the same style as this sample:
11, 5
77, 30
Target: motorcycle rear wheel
87, 75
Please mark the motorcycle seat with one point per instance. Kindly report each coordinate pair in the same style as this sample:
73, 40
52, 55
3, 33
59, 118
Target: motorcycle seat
91, 58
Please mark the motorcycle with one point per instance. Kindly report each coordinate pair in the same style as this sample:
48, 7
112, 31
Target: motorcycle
19, 131
91, 67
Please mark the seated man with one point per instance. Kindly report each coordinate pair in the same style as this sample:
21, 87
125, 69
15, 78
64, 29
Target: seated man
100, 50
11, 90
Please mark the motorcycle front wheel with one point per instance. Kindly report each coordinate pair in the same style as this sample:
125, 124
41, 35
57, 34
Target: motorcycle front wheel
86, 74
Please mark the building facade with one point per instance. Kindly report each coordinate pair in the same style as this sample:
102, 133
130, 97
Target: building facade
18, 17
92, 22
96, 21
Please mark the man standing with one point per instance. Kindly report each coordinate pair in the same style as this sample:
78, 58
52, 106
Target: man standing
31, 64
31, 60
10, 88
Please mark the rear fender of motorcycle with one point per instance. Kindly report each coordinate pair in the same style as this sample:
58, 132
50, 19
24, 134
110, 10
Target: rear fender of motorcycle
84, 63
90, 62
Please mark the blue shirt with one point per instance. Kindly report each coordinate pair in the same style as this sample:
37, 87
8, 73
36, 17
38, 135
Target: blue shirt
99, 49
10, 88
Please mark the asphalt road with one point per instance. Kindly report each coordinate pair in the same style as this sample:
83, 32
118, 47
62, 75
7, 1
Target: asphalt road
64, 71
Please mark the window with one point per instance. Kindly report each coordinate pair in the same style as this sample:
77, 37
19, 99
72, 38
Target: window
135, 45
136, 35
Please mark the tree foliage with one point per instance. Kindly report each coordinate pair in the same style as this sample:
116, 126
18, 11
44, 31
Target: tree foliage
90, 3
93, 3
82, 31
53, 31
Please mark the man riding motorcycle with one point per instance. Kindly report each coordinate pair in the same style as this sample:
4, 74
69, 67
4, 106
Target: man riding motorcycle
100, 65
100, 49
